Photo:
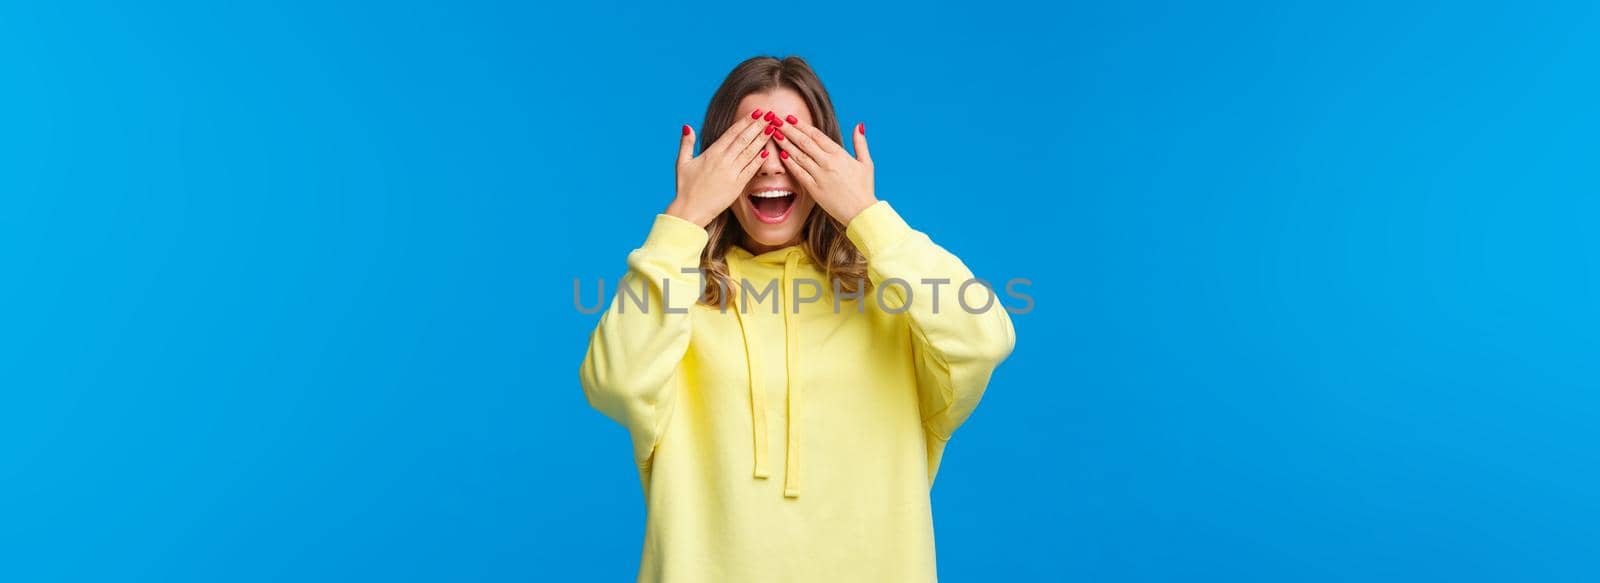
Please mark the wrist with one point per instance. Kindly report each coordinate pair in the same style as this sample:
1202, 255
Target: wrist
854, 208
682, 209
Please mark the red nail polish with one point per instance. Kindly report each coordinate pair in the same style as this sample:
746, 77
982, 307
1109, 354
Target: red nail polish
784, 154
777, 134
770, 117
756, 114
767, 131
792, 119
685, 129
763, 153
777, 122
862, 128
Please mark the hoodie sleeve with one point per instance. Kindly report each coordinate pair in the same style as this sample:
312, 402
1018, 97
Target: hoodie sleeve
954, 349
634, 354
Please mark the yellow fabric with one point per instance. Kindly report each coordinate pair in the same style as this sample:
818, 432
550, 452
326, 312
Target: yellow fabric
864, 400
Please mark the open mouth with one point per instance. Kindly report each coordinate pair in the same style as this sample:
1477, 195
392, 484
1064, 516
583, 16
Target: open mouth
772, 206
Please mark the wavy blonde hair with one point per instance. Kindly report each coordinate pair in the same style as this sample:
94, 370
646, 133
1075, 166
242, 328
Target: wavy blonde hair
823, 237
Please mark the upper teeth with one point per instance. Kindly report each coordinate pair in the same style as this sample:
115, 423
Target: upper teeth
772, 194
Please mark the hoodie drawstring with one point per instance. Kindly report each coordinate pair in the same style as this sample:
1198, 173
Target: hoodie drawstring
758, 403
758, 407
791, 358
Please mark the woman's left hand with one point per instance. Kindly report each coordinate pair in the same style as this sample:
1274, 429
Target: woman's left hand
841, 184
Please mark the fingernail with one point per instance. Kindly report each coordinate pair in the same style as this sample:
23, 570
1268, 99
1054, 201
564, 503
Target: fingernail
770, 117
862, 128
767, 131
777, 134
784, 154
756, 114
763, 153
777, 122
685, 129
792, 119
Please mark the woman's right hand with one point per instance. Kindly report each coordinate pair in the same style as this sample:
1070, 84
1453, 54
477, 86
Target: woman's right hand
709, 183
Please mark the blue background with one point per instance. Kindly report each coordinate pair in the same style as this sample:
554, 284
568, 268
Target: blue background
288, 287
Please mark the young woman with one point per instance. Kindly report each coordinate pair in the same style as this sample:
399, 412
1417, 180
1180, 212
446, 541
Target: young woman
789, 357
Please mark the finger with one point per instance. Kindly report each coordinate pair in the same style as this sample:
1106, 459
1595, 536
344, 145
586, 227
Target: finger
798, 170
789, 150
732, 135
759, 143
803, 141
819, 138
753, 165
749, 134
859, 136
686, 145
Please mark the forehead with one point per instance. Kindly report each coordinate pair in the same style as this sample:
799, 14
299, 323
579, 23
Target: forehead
782, 101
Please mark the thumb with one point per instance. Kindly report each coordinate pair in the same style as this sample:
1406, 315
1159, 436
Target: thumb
860, 138
686, 145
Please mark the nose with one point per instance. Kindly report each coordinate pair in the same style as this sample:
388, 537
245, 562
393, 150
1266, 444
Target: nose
770, 165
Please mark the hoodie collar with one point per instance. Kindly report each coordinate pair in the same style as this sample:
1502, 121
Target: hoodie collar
773, 257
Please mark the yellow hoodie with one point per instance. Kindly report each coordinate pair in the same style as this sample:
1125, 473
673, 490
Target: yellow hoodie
800, 445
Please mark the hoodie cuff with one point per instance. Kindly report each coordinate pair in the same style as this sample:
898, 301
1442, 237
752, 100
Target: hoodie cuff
877, 229
675, 238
